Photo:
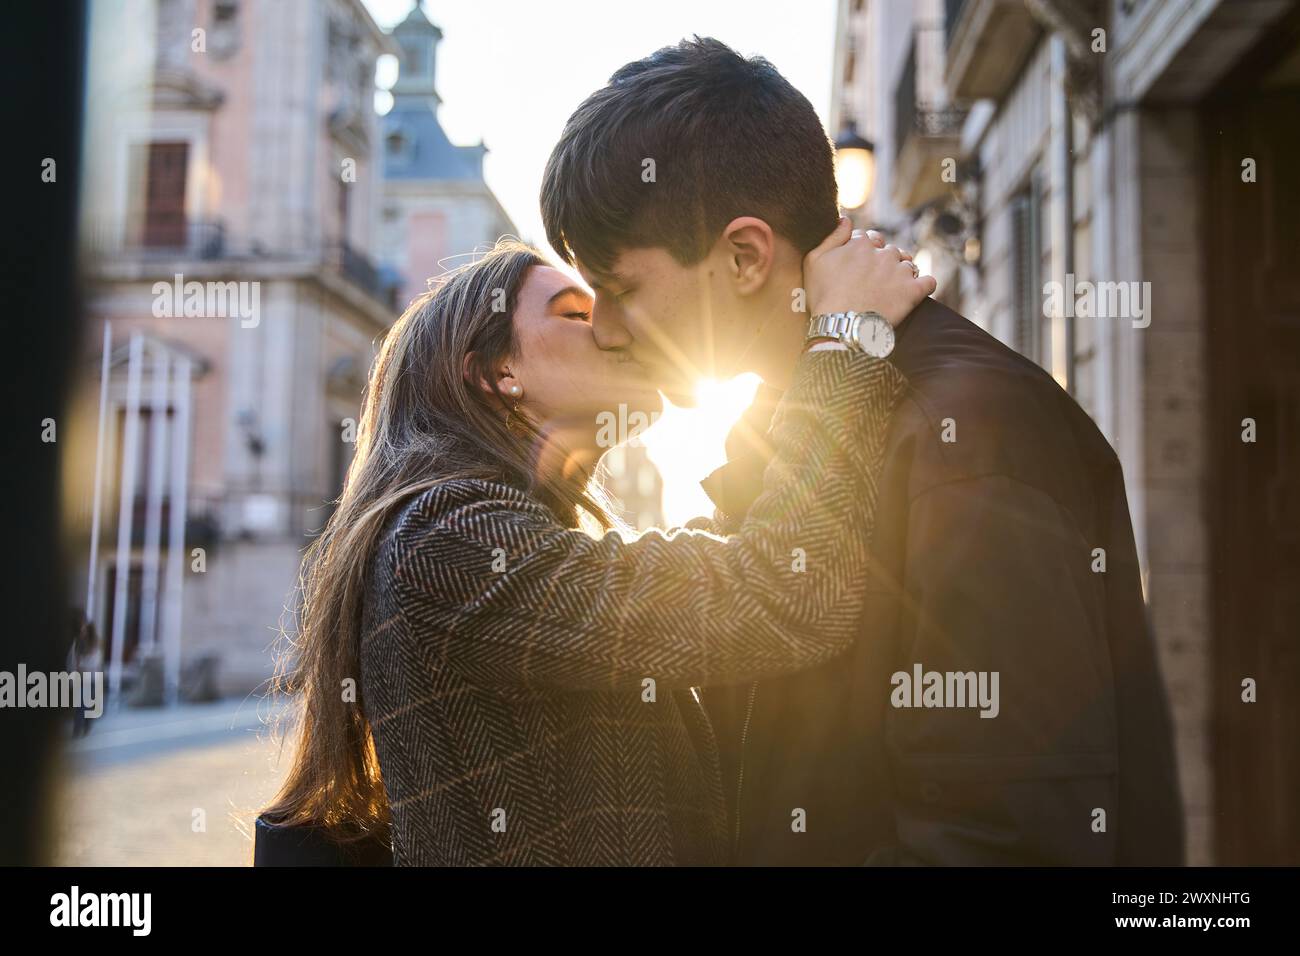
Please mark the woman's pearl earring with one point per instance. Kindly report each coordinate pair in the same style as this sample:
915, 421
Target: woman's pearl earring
516, 391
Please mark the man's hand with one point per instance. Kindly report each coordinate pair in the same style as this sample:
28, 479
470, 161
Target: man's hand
862, 274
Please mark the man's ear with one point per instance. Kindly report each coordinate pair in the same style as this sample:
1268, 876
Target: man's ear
750, 247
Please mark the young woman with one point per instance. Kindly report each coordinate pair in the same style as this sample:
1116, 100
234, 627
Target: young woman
484, 681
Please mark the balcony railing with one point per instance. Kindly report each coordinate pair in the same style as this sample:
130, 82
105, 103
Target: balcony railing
357, 268
194, 238
208, 240
917, 118
926, 130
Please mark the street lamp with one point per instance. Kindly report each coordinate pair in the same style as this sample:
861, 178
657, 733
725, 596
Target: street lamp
855, 167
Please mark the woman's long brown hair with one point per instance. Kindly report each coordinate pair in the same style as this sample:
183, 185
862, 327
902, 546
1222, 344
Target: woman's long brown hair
422, 422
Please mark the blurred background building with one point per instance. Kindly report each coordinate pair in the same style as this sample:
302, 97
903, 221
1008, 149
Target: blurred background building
1018, 143
236, 145
436, 205
251, 226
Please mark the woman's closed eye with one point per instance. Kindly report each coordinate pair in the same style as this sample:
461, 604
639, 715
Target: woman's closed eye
581, 316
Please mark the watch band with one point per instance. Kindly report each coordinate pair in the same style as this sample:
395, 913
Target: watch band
849, 327
830, 325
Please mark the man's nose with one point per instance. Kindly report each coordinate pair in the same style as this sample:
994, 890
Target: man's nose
609, 331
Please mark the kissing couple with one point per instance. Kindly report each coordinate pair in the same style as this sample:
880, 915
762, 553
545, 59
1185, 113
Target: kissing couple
536, 685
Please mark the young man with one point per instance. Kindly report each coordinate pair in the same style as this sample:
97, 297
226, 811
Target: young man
1003, 704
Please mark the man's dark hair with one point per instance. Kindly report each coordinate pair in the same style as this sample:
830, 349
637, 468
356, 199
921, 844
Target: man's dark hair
729, 137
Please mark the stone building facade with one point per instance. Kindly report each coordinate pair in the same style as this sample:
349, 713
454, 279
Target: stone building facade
251, 229
437, 209
1130, 156
234, 152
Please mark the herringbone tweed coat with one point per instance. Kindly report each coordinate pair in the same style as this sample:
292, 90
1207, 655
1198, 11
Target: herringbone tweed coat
529, 686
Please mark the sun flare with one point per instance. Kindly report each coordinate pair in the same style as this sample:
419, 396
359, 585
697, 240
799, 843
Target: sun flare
685, 444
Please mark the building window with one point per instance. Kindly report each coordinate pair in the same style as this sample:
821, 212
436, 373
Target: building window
341, 453
414, 60
134, 601
144, 449
224, 37
1026, 266
343, 198
157, 204
143, 469
397, 144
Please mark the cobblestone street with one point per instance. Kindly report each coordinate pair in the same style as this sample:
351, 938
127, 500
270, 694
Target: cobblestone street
130, 790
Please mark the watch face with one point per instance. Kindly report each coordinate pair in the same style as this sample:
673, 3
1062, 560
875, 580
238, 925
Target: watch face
874, 335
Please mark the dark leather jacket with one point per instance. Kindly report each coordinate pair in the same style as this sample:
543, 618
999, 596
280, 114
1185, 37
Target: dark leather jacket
996, 493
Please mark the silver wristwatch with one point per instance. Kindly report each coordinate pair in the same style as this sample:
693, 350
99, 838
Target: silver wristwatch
864, 331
